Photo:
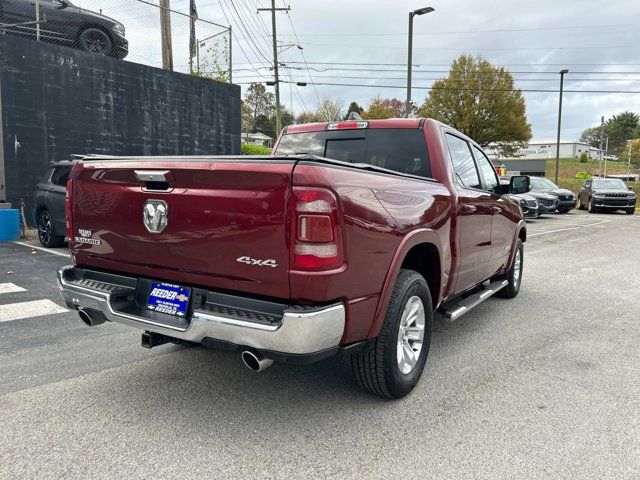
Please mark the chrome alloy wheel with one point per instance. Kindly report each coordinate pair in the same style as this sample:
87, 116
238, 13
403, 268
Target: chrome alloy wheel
517, 266
410, 335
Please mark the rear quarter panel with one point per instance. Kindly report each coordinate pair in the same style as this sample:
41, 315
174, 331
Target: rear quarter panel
379, 212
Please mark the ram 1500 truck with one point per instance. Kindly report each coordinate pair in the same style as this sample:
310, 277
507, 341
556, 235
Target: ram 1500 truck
346, 239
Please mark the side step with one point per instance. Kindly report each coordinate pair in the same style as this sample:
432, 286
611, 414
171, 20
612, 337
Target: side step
456, 308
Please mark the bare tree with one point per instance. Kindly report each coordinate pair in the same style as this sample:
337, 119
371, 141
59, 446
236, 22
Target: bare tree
329, 110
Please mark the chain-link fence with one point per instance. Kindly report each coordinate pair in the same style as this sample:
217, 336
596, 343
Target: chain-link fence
141, 31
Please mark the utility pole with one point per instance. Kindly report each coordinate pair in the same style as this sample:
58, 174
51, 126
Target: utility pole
37, 4
420, 11
629, 163
606, 154
562, 74
601, 146
273, 11
165, 35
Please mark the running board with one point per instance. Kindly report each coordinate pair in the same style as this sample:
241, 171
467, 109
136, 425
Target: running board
457, 308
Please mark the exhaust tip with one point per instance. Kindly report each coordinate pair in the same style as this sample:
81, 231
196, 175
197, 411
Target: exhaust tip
91, 317
255, 361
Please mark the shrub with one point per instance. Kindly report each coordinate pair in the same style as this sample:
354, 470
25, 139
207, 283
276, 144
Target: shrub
584, 157
251, 149
582, 175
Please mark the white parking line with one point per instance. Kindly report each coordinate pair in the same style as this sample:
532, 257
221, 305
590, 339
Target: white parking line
10, 288
36, 308
566, 229
52, 252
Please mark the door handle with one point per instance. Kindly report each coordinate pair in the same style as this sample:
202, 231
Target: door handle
496, 210
468, 209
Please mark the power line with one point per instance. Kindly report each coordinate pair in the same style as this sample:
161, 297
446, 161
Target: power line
249, 36
244, 53
469, 89
293, 29
489, 49
457, 32
356, 77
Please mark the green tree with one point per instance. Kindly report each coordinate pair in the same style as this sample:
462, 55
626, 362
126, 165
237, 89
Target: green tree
353, 107
481, 101
619, 129
308, 117
247, 122
591, 136
378, 109
260, 103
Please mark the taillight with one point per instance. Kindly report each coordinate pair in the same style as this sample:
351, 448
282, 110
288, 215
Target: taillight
67, 209
317, 238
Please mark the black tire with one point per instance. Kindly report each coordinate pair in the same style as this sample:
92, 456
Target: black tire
580, 205
564, 210
377, 369
591, 208
94, 40
631, 211
46, 231
514, 281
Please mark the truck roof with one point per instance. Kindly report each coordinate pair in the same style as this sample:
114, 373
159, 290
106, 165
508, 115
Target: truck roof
386, 123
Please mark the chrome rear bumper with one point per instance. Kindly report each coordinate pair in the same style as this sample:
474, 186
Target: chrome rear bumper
298, 331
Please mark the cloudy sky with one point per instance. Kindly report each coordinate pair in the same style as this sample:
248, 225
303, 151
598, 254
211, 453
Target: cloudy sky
598, 41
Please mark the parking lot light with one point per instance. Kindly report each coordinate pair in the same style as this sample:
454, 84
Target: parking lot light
563, 72
419, 11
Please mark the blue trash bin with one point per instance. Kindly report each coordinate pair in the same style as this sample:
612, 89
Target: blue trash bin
9, 225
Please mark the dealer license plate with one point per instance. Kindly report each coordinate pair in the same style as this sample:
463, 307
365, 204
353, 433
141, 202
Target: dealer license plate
169, 299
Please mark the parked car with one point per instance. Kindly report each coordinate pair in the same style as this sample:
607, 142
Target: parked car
65, 24
566, 198
528, 204
607, 194
50, 195
547, 203
345, 240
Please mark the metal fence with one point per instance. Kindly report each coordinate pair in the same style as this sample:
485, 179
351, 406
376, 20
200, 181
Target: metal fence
139, 31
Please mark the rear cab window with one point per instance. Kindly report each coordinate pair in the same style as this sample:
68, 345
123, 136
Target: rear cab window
399, 149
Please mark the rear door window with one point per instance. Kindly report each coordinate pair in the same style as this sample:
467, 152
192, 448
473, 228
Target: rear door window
61, 175
489, 174
463, 164
402, 150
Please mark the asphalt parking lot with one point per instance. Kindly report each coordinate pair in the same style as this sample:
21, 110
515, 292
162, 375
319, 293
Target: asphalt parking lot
545, 385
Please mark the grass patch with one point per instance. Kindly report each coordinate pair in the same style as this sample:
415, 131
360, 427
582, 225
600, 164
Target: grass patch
570, 166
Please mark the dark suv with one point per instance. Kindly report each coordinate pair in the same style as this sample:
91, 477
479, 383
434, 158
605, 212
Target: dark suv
608, 194
50, 196
63, 23
566, 200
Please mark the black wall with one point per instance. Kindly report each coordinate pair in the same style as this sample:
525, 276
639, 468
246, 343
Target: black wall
57, 101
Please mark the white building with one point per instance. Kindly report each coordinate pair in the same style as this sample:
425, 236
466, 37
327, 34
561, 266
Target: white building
256, 139
538, 149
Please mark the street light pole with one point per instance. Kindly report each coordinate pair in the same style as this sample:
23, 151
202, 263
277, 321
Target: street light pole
562, 74
420, 11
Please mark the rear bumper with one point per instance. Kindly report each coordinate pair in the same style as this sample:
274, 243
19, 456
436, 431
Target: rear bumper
296, 331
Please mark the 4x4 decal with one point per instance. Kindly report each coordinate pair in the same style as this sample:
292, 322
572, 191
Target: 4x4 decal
255, 261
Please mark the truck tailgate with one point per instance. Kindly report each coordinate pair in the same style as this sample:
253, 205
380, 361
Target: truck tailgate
227, 221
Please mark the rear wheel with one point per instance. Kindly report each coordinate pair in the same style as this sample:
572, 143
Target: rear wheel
95, 40
564, 210
592, 207
392, 366
514, 275
631, 211
46, 231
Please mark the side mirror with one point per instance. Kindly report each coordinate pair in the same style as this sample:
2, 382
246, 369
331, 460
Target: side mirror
519, 184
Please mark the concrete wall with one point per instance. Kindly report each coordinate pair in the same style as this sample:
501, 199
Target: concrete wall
58, 101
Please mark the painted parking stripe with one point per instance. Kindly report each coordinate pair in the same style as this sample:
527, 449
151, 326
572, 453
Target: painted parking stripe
566, 229
36, 308
10, 288
35, 247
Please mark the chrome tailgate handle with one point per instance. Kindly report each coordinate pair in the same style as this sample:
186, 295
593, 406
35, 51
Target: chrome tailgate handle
152, 175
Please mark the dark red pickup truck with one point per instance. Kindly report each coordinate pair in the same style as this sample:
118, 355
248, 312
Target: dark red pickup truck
346, 239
